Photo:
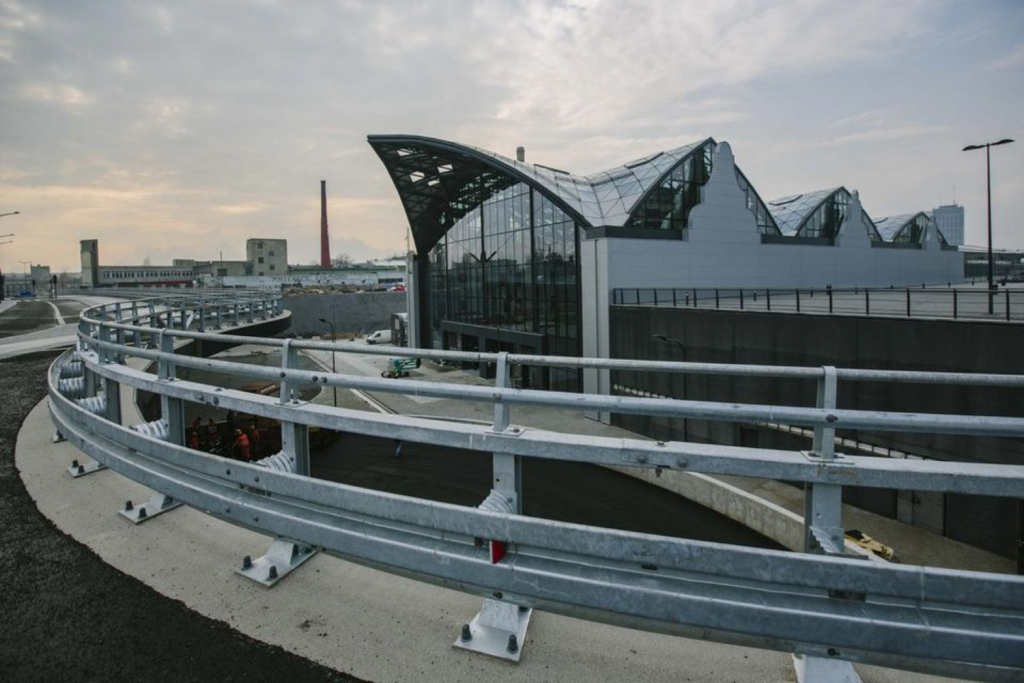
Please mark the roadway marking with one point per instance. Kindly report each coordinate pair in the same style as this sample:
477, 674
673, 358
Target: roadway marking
56, 312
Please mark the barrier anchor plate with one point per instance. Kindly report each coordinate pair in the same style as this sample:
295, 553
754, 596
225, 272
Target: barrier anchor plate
490, 630
810, 669
156, 505
284, 556
80, 469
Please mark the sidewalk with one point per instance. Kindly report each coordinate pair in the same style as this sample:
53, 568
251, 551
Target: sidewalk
913, 544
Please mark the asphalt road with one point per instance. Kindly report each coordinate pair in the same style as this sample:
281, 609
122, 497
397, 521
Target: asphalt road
562, 491
65, 615
32, 315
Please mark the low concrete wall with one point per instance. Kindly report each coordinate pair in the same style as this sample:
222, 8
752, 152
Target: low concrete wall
768, 519
354, 313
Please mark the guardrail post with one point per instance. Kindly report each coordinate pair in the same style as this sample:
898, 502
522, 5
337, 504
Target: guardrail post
172, 410
798, 301
823, 531
235, 312
499, 629
202, 319
954, 305
867, 302
908, 302
136, 334
284, 555
823, 503
294, 437
220, 316
1007, 291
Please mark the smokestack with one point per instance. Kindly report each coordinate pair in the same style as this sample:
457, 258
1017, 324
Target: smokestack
325, 241
520, 153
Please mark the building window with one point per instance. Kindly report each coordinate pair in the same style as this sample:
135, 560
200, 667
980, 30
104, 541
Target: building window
222, 272
260, 259
273, 267
259, 245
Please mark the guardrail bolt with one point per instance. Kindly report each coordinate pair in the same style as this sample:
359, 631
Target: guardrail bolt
142, 513
272, 574
129, 506
246, 562
513, 644
466, 635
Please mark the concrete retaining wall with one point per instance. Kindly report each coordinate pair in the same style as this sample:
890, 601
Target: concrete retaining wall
842, 341
766, 518
354, 313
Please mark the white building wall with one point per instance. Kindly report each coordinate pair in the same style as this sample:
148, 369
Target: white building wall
723, 249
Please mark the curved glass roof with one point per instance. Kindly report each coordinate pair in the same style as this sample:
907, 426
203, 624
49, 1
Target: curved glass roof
891, 226
438, 181
605, 198
790, 213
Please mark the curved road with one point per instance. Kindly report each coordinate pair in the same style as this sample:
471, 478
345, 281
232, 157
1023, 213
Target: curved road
31, 315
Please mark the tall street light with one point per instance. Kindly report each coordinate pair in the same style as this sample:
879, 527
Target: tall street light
682, 354
988, 181
334, 368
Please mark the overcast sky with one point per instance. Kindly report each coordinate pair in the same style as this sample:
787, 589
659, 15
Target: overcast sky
179, 130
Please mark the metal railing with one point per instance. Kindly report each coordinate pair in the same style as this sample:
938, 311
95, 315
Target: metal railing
823, 604
955, 303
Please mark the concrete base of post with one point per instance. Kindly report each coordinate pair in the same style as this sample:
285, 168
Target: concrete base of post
498, 630
283, 557
820, 670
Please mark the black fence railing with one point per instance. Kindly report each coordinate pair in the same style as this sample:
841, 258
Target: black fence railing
925, 302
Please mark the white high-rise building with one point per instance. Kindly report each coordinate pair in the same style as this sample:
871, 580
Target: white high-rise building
950, 221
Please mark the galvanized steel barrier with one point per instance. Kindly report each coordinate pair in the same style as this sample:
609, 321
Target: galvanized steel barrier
822, 604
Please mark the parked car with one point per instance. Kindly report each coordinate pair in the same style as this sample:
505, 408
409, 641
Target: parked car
379, 337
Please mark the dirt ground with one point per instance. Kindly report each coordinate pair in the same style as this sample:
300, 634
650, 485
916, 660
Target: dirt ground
65, 615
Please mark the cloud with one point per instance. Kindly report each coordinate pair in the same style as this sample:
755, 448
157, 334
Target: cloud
1014, 57
14, 20
69, 97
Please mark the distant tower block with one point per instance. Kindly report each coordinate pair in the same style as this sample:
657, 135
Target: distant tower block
325, 240
520, 153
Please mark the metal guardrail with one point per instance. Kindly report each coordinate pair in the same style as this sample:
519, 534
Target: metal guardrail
954, 303
823, 604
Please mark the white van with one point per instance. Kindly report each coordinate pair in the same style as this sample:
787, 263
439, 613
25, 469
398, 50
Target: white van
379, 337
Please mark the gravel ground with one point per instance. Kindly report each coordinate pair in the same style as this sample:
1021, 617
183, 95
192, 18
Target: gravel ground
66, 615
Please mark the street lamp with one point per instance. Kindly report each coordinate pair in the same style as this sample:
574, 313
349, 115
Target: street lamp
682, 353
334, 368
988, 181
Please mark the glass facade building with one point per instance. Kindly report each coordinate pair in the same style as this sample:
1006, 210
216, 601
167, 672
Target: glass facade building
498, 240
497, 265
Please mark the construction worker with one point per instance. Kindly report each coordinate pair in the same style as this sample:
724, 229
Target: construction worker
240, 449
193, 440
254, 440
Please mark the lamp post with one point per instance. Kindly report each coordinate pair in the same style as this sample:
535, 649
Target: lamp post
682, 354
334, 368
988, 182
